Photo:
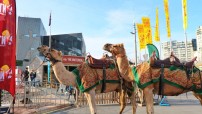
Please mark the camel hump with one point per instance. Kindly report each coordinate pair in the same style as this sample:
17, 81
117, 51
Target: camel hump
98, 63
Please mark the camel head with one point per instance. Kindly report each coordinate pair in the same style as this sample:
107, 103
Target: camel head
51, 54
115, 49
43, 49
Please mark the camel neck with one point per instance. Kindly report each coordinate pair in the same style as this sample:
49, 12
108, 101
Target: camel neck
64, 76
124, 68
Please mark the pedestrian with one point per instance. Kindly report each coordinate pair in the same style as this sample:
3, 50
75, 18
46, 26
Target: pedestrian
71, 91
25, 76
32, 77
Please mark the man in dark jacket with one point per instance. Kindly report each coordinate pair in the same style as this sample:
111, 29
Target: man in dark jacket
32, 77
26, 75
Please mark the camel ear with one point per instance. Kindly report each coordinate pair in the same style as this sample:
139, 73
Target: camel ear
60, 53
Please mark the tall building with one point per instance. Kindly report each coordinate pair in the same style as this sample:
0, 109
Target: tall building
29, 32
69, 44
199, 43
178, 47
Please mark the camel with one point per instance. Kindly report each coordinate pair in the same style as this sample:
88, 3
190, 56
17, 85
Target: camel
88, 80
175, 80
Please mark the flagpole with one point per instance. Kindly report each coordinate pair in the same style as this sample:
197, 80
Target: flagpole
49, 69
50, 38
186, 45
170, 45
50, 30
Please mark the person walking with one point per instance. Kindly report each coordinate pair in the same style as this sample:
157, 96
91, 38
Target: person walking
25, 77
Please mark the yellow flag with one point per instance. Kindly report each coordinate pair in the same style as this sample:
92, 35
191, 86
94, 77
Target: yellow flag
167, 18
140, 30
184, 13
147, 30
157, 37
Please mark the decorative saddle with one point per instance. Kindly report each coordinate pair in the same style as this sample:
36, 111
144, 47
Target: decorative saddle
98, 63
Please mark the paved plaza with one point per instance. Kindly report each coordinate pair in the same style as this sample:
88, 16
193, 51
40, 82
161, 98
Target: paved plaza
183, 104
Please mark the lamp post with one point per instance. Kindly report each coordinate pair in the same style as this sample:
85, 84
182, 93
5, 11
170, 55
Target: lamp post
134, 33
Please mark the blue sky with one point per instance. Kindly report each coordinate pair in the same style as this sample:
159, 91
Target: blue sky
111, 21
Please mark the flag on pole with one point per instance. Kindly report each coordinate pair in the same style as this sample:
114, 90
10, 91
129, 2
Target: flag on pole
184, 13
167, 18
49, 20
140, 30
8, 45
147, 30
151, 48
157, 37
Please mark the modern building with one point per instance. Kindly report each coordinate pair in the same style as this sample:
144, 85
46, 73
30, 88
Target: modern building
32, 34
178, 47
69, 44
29, 32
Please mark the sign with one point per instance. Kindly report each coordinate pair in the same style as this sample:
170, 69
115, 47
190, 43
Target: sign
72, 59
7, 45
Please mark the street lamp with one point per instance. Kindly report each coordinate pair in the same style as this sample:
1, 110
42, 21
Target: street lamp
134, 33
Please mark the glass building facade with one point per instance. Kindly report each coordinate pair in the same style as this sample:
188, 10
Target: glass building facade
69, 44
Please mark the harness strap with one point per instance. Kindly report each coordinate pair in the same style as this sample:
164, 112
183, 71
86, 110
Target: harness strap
161, 88
104, 80
200, 78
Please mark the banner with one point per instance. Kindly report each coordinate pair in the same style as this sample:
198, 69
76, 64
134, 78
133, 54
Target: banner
140, 30
167, 18
156, 36
184, 13
147, 30
7, 45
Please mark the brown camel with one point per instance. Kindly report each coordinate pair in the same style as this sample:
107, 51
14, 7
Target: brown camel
88, 80
176, 81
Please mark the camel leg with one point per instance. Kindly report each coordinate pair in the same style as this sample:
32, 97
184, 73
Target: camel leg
198, 96
141, 96
122, 97
148, 95
91, 101
133, 102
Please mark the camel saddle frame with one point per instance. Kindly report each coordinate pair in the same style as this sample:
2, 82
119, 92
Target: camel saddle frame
98, 63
